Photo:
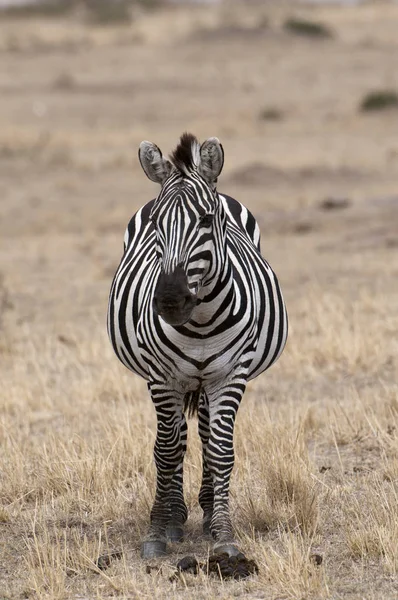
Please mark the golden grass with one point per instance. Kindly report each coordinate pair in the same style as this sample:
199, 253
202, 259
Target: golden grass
310, 476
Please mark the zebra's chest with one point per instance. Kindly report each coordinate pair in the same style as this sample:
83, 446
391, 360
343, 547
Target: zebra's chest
186, 356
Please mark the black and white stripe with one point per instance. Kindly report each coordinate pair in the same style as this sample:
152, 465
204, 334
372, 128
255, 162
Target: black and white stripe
197, 312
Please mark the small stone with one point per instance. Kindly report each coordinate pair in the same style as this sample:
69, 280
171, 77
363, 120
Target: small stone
317, 559
105, 560
323, 469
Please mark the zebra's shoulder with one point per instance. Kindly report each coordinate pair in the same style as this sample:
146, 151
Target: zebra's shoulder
242, 216
137, 222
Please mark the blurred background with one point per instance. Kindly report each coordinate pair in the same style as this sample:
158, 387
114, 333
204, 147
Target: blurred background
302, 95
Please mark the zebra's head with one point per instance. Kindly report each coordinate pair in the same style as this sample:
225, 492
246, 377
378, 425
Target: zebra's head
189, 223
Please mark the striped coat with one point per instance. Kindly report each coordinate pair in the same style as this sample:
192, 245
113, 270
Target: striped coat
197, 311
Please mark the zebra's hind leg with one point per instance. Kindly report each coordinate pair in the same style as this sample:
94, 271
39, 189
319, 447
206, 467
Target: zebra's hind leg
169, 454
179, 511
206, 494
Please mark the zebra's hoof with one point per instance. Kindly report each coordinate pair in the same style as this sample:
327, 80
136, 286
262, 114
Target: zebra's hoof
174, 532
153, 549
229, 549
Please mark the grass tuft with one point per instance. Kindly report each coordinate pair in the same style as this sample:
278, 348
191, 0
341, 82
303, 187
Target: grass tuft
4, 516
306, 28
379, 100
280, 491
372, 523
291, 568
271, 114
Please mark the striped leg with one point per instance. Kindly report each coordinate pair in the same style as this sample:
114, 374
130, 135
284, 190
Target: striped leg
223, 406
169, 453
206, 494
179, 511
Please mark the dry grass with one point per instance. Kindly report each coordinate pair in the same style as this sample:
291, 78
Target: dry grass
310, 476
317, 437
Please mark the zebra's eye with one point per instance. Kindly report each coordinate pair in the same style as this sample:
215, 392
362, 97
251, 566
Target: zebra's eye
206, 220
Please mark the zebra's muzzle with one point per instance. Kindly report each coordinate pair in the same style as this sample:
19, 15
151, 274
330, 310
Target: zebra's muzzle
172, 299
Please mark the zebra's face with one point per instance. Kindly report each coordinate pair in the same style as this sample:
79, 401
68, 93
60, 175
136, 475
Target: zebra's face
188, 222
188, 235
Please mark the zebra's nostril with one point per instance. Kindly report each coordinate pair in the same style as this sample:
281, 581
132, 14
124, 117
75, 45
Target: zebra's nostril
187, 298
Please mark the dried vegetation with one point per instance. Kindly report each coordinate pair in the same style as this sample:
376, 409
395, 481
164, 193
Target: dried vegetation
379, 100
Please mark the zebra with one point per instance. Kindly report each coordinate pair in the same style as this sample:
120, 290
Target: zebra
196, 311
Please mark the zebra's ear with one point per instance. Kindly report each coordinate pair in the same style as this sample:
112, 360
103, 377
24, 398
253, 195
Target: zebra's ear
211, 159
155, 166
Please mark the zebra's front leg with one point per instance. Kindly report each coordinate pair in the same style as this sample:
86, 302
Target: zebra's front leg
169, 507
178, 508
223, 406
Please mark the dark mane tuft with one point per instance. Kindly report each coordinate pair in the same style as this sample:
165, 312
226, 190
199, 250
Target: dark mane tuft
185, 156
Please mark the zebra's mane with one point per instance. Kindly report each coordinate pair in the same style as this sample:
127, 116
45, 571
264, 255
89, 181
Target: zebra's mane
186, 156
